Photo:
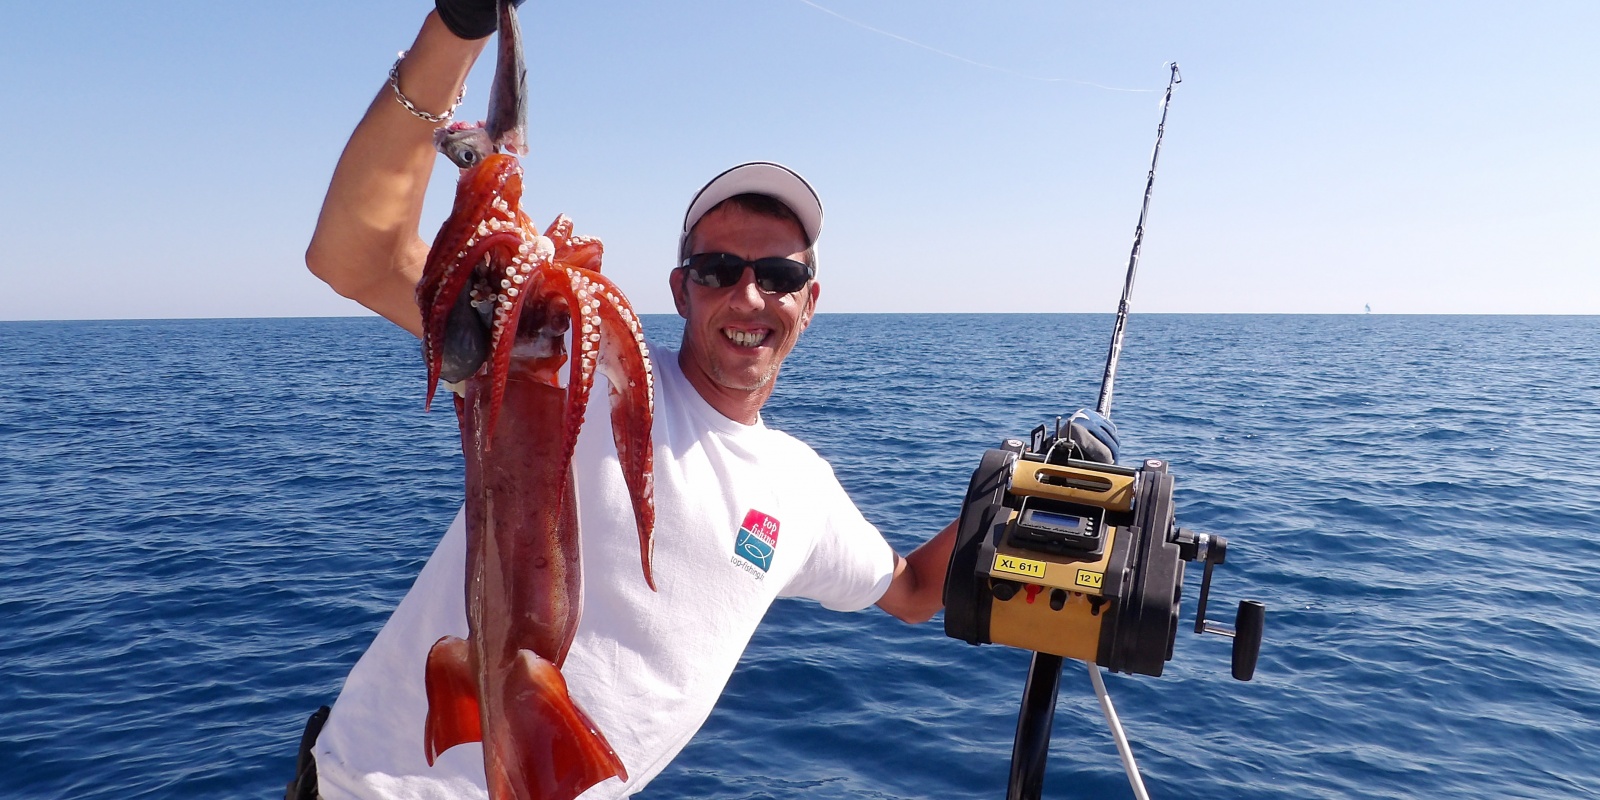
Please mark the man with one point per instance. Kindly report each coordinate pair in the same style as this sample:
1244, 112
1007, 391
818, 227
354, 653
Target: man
647, 666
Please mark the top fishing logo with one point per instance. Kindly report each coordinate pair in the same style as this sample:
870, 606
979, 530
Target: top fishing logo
756, 543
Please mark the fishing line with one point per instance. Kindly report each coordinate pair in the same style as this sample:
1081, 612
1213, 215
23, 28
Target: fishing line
963, 59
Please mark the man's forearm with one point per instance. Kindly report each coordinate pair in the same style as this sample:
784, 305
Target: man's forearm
366, 244
917, 592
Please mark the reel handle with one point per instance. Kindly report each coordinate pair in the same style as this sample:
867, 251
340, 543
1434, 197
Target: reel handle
1247, 626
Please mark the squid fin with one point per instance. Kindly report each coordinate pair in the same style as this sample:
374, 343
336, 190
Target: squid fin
453, 716
561, 752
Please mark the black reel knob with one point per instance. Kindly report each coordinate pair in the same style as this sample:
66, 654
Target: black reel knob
1247, 627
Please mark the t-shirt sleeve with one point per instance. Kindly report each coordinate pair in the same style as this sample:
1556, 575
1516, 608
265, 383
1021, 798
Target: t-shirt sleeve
850, 565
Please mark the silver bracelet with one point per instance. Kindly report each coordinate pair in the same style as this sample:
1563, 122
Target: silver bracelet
437, 119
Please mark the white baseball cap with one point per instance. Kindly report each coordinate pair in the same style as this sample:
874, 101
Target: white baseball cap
759, 177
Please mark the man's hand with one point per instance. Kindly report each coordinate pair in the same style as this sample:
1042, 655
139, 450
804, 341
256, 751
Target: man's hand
470, 19
1095, 436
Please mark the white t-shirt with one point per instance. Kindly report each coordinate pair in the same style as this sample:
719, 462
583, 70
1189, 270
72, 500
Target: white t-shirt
744, 514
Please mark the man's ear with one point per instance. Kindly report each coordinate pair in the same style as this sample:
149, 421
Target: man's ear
812, 293
680, 293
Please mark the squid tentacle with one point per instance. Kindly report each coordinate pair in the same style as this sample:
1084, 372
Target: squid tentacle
625, 361
583, 357
518, 282
498, 248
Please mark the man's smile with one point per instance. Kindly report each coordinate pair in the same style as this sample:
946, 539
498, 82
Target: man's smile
746, 337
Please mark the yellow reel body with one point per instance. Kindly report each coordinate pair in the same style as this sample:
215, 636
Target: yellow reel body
1076, 559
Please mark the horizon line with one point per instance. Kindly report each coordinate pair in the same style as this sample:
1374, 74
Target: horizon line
901, 313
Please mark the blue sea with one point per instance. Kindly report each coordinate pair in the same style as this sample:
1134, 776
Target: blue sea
204, 523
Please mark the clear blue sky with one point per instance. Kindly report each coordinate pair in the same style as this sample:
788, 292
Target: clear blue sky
168, 160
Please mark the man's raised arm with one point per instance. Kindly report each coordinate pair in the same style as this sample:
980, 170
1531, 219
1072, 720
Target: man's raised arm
366, 244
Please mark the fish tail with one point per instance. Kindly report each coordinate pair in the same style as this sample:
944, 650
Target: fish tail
508, 99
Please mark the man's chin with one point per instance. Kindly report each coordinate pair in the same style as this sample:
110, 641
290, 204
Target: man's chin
750, 379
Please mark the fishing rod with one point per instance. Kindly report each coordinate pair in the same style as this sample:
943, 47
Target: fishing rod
1108, 379
1071, 558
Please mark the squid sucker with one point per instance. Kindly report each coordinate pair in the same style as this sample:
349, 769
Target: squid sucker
499, 300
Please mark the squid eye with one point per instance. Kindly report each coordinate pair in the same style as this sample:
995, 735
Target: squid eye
468, 155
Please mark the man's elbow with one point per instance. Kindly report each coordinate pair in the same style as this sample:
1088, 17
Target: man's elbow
917, 615
382, 287
912, 608
329, 268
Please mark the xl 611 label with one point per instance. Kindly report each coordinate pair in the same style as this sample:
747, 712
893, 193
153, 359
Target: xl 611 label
1018, 566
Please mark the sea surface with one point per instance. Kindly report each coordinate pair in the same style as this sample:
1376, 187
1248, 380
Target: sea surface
204, 523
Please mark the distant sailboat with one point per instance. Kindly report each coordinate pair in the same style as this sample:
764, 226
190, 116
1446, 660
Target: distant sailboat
1369, 308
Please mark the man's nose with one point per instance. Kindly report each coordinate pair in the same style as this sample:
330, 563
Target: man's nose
745, 294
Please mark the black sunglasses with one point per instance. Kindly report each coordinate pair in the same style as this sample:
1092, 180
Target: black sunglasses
773, 274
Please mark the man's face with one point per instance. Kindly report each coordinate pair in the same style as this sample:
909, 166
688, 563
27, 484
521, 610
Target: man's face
736, 337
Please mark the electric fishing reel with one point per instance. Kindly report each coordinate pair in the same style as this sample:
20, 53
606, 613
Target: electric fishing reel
1082, 560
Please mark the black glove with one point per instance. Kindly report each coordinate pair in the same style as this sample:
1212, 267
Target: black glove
470, 19
1095, 436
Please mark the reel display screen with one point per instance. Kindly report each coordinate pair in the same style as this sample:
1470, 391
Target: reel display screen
1059, 523
1059, 527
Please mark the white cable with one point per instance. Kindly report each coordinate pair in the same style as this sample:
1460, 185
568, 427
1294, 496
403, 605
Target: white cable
1116, 733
